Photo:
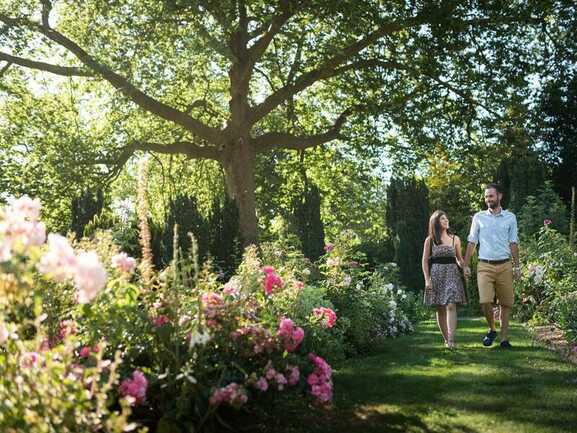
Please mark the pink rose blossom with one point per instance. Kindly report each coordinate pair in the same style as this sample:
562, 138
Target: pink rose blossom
329, 247
271, 280
261, 384
134, 389
290, 335
293, 375
547, 222
213, 305
161, 321
327, 315
232, 394
85, 352
123, 263
268, 269
90, 276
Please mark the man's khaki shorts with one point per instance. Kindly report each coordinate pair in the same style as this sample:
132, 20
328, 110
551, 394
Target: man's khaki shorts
495, 280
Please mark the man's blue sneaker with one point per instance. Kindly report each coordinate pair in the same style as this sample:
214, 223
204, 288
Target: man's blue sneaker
489, 338
506, 345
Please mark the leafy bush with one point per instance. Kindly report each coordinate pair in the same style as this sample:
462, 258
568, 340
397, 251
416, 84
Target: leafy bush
545, 205
547, 288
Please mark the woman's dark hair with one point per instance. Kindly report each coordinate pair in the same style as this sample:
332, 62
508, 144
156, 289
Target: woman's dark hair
435, 227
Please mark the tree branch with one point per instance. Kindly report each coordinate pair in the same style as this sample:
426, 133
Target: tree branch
326, 70
140, 98
260, 46
67, 71
275, 140
5, 69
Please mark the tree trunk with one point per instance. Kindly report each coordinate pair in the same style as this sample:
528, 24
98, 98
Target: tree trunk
239, 167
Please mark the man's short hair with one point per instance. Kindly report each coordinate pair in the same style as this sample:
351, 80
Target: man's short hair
494, 186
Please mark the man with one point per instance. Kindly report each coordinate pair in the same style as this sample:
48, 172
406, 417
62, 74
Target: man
496, 231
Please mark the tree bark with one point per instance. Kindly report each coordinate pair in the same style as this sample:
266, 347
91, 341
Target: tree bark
239, 168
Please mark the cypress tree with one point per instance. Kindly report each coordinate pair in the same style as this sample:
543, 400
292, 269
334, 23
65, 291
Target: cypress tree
407, 218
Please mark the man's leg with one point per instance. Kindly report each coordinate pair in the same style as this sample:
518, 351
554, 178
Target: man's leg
486, 284
442, 321
506, 297
487, 309
505, 312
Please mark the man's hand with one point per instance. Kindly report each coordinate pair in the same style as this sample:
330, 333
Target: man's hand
467, 271
517, 273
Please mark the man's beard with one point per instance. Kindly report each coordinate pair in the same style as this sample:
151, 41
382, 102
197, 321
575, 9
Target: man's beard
494, 205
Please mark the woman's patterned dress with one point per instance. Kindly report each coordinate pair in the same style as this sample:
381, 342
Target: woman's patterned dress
446, 282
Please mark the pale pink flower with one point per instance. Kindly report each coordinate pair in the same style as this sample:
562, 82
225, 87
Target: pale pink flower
5, 251
59, 262
232, 394
66, 328
134, 389
294, 375
329, 247
89, 277
213, 305
261, 384
26, 207
29, 360
281, 381
123, 263
547, 222
4, 333
232, 287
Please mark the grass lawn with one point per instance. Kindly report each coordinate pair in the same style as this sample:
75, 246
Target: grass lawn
415, 385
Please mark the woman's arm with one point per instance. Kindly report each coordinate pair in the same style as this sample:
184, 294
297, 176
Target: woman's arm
425, 262
458, 252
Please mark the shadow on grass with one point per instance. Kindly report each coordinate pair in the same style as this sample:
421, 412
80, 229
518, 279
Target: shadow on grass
415, 385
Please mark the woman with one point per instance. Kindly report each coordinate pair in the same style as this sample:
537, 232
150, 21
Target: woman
443, 282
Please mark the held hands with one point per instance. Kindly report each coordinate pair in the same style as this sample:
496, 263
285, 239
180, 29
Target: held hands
516, 273
467, 271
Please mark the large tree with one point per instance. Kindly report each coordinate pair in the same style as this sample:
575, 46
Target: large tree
228, 80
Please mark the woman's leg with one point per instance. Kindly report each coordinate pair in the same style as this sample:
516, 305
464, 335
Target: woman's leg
451, 323
442, 321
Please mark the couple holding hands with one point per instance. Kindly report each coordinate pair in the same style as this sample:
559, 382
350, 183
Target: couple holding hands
445, 270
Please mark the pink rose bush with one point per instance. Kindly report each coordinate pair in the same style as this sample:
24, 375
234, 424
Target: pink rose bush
320, 380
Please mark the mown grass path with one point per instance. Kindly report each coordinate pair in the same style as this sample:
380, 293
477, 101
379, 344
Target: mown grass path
415, 385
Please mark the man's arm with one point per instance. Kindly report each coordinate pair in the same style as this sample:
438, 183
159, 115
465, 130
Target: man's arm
514, 245
515, 255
